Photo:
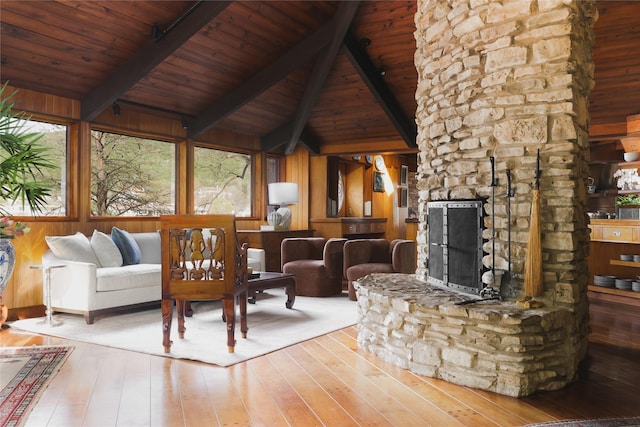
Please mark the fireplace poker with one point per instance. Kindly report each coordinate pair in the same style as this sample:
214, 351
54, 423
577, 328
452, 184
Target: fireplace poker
510, 194
471, 301
486, 294
494, 183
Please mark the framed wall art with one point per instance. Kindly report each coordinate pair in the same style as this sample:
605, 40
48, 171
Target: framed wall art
404, 175
378, 182
403, 197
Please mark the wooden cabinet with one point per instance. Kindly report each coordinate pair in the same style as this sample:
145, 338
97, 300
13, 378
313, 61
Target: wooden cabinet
351, 228
617, 233
270, 241
609, 240
364, 226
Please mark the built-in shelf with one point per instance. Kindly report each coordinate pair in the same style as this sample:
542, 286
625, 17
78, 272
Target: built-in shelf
606, 193
625, 263
611, 238
615, 291
629, 165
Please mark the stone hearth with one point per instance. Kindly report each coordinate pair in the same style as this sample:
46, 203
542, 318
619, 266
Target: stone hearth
495, 346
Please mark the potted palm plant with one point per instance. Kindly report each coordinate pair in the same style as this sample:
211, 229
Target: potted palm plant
22, 159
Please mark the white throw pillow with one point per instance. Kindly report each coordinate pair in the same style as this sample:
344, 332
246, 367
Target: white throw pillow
149, 244
73, 248
107, 252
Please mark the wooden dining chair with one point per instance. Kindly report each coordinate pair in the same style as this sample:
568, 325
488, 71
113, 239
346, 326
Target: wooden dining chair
202, 260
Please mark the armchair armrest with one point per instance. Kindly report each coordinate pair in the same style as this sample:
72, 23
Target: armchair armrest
74, 286
256, 259
356, 252
403, 256
333, 255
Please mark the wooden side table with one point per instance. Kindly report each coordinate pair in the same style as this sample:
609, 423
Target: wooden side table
271, 280
46, 280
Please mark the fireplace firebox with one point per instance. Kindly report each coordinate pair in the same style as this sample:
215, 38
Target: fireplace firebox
455, 244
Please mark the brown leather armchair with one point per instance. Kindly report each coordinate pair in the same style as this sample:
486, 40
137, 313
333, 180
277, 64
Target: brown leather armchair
365, 256
316, 263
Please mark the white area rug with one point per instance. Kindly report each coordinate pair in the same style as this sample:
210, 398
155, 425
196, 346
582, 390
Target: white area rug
271, 327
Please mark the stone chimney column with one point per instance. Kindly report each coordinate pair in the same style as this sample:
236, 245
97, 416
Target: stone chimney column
506, 79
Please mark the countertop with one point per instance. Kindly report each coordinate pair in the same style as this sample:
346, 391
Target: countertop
627, 222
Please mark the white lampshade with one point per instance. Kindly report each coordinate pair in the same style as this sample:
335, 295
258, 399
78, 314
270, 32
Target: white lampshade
283, 193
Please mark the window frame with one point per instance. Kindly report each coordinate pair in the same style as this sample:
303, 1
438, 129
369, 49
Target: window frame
71, 174
254, 156
134, 134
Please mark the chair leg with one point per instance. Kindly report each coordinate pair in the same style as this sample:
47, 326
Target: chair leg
167, 316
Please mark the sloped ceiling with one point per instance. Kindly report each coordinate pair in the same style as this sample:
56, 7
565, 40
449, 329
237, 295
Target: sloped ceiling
329, 75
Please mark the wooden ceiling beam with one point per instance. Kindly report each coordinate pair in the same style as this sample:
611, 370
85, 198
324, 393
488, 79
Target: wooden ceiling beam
379, 89
147, 58
276, 71
278, 137
342, 21
309, 141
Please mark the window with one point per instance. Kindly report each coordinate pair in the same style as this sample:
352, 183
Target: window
54, 138
131, 176
222, 182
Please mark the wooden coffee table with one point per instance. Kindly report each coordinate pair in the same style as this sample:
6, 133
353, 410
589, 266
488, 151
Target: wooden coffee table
271, 280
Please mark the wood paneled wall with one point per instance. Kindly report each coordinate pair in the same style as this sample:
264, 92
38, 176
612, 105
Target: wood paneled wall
25, 287
383, 205
24, 290
297, 170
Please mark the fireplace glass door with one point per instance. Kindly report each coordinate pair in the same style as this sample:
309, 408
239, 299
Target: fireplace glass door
455, 244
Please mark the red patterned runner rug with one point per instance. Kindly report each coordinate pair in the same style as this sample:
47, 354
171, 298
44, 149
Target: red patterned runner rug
25, 373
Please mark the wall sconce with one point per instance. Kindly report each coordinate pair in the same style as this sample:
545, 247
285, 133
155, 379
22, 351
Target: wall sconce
282, 194
116, 109
185, 123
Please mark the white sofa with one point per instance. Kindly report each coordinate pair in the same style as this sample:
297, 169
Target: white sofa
98, 277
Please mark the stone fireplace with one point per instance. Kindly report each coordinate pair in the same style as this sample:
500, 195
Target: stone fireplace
497, 80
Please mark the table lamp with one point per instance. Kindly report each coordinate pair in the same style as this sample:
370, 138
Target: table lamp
282, 194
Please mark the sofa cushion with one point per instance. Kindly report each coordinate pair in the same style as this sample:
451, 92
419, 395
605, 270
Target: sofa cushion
73, 248
129, 277
105, 249
149, 244
127, 245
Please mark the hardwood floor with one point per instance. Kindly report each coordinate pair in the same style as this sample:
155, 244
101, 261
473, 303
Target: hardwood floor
326, 381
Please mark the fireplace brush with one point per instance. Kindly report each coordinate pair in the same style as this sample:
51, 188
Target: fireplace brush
533, 286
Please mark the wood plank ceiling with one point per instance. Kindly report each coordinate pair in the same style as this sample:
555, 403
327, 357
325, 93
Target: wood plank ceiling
279, 70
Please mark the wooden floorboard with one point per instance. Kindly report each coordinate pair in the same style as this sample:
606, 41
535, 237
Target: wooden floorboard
327, 381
